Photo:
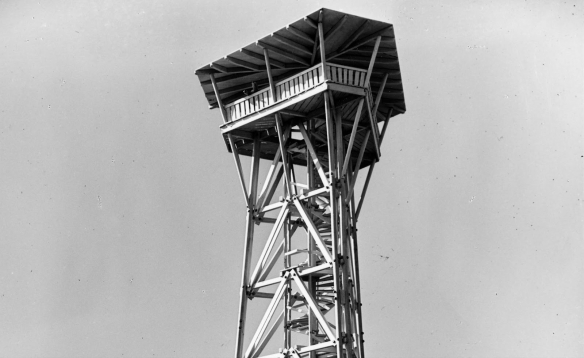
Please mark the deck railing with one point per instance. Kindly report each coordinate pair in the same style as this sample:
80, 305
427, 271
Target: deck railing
293, 86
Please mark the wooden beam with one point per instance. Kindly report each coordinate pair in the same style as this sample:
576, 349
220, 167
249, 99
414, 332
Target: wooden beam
380, 93
224, 69
388, 117
231, 143
386, 50
269, 177
238, 165
311, 227
245, 64
322, 49
354, 36
267, 316
270, 265
314, 306
218, 97
374, 127
335, 27
372, 61
257, 56
357, 166
359, 42
293, 113
364, 191
352, 138
366, 59
261, 264
247, 249
270, 78
284, 53
284, 152
291, 43
315, 160
299, 33
262, 344
310, 22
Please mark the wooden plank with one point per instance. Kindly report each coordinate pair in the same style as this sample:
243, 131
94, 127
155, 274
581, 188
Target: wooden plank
354, 35
313, 306
357, 166
313, 230
295, 45
379, 94
264, 341
283, 150
268, 181
388, 117
219, 101
273, 109
336, 27
299, 33
284, 53
364, 190
257, 56
243, 298
261, 264
312, 151
243, 63
372, 61
270, 265
224, 69
310, 22
322, 47
317, 347
374, 127
267, 316
352, 138
361, 41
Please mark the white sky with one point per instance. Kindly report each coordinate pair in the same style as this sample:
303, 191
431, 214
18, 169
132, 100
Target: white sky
121, 220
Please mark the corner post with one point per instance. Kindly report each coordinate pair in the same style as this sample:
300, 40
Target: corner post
247, 249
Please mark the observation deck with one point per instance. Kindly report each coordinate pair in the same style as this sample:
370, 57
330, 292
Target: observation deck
360, 62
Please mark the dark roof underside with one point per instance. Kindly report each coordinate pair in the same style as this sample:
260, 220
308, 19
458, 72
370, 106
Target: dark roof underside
349, 41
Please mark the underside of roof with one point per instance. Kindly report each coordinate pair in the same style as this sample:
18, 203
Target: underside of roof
349, 40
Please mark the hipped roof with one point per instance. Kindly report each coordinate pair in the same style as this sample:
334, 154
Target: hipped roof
349, 41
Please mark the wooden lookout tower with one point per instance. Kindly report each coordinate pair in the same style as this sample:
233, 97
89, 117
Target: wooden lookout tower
313, 100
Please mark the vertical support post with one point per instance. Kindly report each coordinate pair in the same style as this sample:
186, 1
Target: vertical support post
287, 303
341, 257
356, 278
282, 143
247, 249
231, 142
270, 78
310, 181
322, 45
334, 218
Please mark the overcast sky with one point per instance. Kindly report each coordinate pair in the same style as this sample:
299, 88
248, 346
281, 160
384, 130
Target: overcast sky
121, 219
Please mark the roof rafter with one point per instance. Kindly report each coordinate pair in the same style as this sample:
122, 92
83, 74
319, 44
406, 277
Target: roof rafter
361, 41
291, 43
245, 64
284, 53
299, 33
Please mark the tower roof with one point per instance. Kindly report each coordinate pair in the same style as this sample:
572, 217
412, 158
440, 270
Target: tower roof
349, 41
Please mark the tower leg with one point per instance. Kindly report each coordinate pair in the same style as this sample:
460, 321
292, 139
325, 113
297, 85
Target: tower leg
247, 249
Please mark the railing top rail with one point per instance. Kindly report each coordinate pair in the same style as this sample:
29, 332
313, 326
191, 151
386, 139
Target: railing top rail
347, 67
267, 89
277, 84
